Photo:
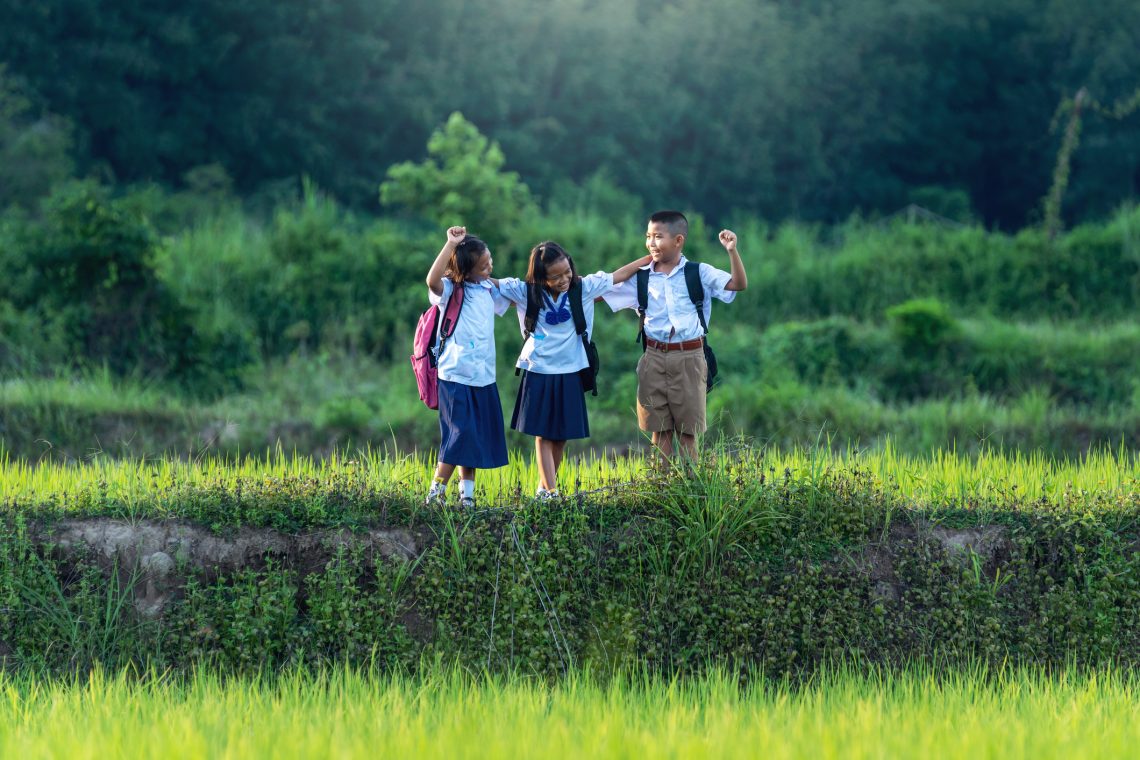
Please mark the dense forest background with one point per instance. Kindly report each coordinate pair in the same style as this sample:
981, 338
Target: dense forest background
799, 109
215, 217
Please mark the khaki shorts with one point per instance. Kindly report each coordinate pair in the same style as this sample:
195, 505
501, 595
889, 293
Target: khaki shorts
671, 391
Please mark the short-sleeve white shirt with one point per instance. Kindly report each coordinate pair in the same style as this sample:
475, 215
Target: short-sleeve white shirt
670, 317
469, 354
555, 349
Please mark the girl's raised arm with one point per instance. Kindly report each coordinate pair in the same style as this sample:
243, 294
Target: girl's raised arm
630, 269
455, 236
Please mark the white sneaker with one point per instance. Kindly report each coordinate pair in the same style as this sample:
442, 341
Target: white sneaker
437, 496
467, 502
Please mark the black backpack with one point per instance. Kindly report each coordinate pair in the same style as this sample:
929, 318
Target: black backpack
588, 374
696, 295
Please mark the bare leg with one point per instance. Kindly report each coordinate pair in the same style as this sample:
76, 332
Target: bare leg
663, 440
689, 446
547, 465
555, 450
443, 472
558, 449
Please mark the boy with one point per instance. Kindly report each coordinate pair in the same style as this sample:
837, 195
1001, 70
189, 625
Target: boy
671, 373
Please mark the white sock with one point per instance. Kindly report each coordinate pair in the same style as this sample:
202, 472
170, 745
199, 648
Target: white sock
467, 489
438, 488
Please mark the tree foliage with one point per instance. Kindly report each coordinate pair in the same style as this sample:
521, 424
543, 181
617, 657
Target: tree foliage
461, 181
807, 109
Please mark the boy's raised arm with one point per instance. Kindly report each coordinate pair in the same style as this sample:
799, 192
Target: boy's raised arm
455, 236
630, 269
739, 279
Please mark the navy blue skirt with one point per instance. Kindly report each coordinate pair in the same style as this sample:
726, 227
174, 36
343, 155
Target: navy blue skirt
551, 406
471, 426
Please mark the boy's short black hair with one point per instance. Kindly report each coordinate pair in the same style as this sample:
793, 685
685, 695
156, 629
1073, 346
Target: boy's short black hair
674, 220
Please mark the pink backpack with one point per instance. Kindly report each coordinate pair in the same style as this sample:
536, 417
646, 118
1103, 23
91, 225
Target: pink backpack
425, 354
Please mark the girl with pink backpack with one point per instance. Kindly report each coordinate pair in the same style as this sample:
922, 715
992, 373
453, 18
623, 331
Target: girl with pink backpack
470, 413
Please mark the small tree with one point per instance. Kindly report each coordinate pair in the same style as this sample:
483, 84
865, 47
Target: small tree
461, 182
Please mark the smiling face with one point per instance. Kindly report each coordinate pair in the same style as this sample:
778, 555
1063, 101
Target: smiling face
559, 275
663, 244
482, 268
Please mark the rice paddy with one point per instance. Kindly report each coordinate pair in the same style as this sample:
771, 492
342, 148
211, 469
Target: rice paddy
944, 479
450, 713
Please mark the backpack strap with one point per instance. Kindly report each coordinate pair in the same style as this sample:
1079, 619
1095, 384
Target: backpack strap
449, 319
696, 290
642, 304
533, 304
574, 296
530, 319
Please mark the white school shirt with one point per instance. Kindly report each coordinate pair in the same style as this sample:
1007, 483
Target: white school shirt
670, 317
556, 349
469, 354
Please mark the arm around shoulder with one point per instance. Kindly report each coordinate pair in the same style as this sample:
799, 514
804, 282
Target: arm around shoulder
630, 269
513, 289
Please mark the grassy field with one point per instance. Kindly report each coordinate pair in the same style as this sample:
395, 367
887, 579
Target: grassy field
972, 714
941, 480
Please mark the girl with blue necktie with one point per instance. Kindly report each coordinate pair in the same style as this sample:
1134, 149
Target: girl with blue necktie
551, 402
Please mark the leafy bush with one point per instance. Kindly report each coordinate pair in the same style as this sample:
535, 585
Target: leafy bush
923, 326
90, 264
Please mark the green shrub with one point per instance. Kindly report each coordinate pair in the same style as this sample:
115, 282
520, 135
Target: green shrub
90, 265
353, 610
923, 326
246, 622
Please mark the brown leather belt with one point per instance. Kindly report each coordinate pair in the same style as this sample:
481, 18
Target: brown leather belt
685, 345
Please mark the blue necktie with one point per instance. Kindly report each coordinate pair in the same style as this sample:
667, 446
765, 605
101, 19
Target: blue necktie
556, 315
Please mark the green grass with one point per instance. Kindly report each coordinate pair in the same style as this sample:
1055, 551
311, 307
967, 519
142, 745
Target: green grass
939, 481
320, 402
970, 714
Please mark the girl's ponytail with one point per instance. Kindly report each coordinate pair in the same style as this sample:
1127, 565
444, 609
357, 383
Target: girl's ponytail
466, 256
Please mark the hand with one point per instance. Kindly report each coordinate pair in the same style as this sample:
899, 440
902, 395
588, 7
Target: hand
455, 235
728, 240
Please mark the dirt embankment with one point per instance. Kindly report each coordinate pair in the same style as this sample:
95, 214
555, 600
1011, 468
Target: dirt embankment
154, 557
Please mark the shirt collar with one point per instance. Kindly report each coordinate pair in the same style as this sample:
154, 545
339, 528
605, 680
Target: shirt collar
680, 266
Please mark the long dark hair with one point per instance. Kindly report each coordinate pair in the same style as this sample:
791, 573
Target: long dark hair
542, 256
466, 256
